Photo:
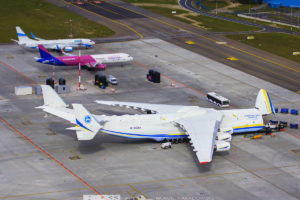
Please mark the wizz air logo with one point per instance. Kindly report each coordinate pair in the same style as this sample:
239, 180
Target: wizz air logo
87, 119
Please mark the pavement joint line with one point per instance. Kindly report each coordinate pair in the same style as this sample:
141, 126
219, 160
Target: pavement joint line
265, 59
173, 80
168, 77
107, 9
230, 46
0, 119
159, 181
49, 156
226, 55
295, 136
200, 176
136, 190
18, 72
41, 193
211, 39
270, 71
115, 21
253, 172
252, 64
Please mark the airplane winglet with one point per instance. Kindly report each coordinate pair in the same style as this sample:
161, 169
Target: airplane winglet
204, 162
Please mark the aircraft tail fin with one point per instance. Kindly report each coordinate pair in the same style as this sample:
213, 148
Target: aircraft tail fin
21, 35
51, 98
86, 121
44, 53
264, 103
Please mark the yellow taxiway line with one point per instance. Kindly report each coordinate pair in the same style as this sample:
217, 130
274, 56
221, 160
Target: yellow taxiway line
211, 39
114, 21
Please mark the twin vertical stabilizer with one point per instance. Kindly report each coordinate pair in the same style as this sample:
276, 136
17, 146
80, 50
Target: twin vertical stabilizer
86, 125
264, 103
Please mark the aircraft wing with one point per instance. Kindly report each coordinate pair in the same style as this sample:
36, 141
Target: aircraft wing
154, 108
202, 131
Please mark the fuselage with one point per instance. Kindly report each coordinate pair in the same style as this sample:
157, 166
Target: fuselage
58, 44
162, 126
112, 58
87, 60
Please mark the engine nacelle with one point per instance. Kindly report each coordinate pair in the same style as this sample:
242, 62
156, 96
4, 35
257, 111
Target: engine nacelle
101, 66
68, 49
222, 146
228, 130
221, 136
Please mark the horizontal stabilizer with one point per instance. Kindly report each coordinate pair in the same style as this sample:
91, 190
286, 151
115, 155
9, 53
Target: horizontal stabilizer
51, 98
74, 128
63, 113
84, 135
15, 41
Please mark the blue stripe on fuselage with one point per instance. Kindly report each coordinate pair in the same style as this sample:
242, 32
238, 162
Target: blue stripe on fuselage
131, 135
247, 129
87, 45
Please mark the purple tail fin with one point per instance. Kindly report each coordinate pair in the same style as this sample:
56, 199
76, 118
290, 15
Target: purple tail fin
44, 52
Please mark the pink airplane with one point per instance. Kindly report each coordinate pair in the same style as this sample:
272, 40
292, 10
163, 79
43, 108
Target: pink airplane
98, 61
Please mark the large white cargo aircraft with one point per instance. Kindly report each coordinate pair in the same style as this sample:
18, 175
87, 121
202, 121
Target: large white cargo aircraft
58, 45
208, 129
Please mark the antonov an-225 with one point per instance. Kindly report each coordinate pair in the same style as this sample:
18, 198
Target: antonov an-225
208, 129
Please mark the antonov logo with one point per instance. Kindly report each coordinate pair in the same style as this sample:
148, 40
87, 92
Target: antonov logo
87, 119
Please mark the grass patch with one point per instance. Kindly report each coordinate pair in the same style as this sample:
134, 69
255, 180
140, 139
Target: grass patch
277, 43
233, 16
174, 2
45, 20
244, 7
207, 22
218, 25
167, 12
213, 3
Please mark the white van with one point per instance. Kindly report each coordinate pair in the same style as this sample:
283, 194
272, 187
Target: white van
112, 80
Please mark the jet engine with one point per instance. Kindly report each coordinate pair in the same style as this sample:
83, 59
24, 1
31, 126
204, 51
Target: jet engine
101, 66
222, 146
228, 130
221, 136
68, 49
